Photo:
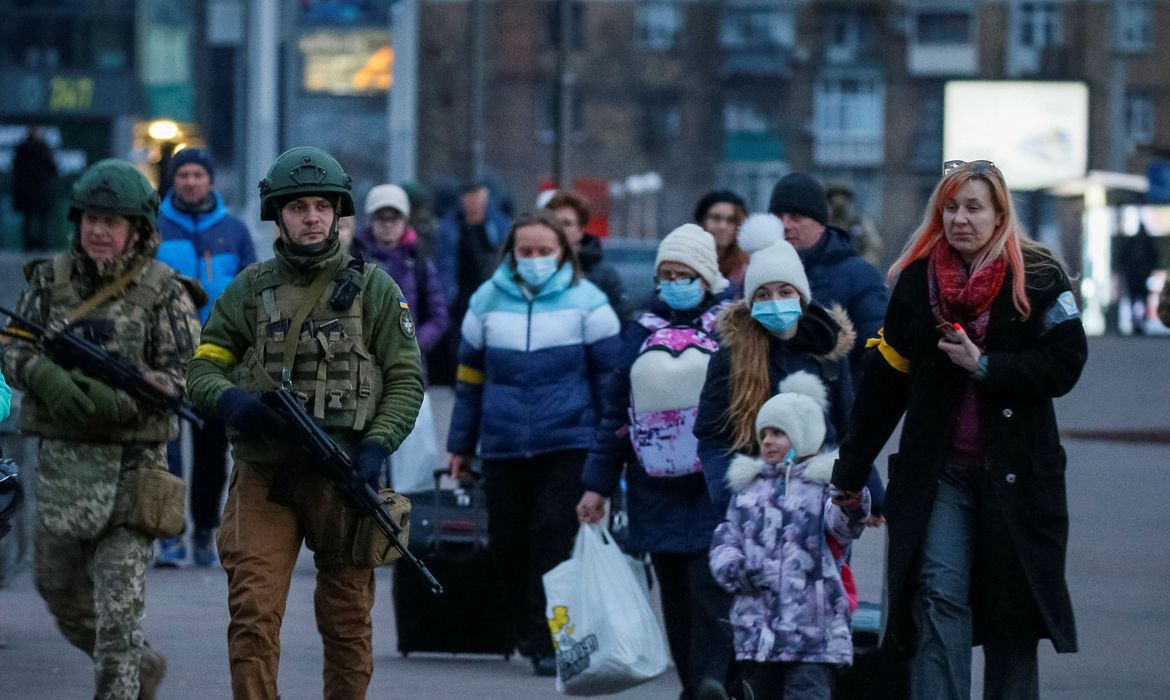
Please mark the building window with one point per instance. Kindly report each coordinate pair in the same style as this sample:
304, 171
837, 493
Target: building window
943, 27
756, 27
1135, 25
849, 120
661, 123
848, 34
1139, 118
1039, 25
552, 23
658, 24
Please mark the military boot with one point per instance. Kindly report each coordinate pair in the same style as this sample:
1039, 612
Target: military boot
151, 669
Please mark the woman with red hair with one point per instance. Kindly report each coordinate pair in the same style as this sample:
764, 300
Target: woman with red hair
981, 333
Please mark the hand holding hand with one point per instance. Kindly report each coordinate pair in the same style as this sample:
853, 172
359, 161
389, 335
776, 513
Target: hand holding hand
963, 353
591, 507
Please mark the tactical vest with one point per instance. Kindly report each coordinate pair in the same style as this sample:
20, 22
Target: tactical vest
332, 366
129, 318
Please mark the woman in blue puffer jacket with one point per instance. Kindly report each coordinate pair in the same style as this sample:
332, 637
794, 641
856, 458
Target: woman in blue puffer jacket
538, 346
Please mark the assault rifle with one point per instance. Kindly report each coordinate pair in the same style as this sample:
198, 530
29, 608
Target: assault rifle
327, 455
72, 351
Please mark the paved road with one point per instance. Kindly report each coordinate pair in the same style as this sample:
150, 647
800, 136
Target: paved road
1119, 559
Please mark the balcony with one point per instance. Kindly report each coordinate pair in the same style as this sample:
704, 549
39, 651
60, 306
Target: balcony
835, 149
930, 60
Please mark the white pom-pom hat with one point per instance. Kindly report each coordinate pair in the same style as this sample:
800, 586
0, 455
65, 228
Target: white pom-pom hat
694, 247
799, 411
759, 231
778, 262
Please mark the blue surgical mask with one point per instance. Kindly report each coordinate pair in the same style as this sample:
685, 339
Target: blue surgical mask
777, 315
681, 293
536, 271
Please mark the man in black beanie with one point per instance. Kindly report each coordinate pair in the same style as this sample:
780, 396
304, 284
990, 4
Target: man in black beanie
836, 273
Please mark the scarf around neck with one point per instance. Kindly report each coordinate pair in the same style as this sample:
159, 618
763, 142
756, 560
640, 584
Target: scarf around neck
956, 295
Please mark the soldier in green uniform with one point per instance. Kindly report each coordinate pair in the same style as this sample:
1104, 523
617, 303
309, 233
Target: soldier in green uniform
96, 441
338, 333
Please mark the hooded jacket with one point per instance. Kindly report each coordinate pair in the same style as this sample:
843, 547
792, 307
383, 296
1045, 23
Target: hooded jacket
532, 367
604, 276
407, 266
778, 524
821, 347
211, 247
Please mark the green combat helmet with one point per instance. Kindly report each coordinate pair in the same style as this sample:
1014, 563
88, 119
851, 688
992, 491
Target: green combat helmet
114, 185
302, 171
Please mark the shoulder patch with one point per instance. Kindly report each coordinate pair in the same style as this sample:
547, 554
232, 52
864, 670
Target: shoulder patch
406, 323
1063, 309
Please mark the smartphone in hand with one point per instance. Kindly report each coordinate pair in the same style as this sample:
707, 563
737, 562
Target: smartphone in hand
947, 330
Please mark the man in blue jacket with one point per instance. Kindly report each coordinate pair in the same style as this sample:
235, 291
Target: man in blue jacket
201, 239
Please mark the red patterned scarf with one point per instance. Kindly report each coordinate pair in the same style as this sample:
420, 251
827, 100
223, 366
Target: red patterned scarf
958, 296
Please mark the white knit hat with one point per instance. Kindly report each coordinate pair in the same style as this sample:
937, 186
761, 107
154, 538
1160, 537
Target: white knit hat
759, 231
384, 196
778, 262
692, 246
799, 411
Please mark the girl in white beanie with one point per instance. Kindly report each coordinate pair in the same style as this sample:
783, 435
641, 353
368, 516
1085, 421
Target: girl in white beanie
776, 330
782, 547
646, 429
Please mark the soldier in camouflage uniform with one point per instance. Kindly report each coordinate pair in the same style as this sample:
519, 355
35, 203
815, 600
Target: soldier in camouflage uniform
339, 333
90, 565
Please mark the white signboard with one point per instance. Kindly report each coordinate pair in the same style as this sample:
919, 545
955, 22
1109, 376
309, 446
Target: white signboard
1036, 132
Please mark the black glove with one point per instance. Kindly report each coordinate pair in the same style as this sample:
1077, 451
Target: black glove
245, 412
371, 456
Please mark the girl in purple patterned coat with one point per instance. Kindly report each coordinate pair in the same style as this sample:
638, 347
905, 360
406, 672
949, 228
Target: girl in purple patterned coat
779, 551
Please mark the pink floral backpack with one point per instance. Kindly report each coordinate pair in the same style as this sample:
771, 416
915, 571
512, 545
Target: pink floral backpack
665, 383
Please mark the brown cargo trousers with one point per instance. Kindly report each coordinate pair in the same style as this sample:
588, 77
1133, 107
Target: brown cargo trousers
258, 545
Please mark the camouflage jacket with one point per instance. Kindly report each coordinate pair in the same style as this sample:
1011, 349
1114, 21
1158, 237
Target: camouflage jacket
773, 553
230, 338
150, 323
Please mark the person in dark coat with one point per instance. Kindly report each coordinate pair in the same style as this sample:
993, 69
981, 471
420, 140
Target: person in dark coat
34, 173
572, 210
1138, 259
836, 273
982, 332
720, 213
646, 426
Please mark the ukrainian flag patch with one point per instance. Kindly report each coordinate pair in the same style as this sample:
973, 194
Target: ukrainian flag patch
402, 303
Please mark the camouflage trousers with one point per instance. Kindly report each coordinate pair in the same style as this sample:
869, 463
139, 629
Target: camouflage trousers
91, 569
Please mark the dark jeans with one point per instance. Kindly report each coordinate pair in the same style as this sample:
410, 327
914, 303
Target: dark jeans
787, 681
532, 522
696, 612
208, 470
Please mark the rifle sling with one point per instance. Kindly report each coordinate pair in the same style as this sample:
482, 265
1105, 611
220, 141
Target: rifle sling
312, 296
105, 292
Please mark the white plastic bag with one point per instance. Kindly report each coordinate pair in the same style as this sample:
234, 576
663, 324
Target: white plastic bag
606, 636
412, 466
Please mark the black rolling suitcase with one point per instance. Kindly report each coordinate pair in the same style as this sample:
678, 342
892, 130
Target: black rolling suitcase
448, 532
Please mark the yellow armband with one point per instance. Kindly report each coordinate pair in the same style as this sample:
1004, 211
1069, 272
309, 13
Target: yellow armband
893, 357
469, 375
223, 356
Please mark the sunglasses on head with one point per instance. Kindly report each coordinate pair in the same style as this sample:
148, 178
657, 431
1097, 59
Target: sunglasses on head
977, 167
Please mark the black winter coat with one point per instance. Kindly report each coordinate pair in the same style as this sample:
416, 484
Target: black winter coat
1018, 587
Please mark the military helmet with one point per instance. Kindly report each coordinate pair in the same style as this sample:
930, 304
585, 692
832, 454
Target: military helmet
11, 492
114, 185
305, 171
